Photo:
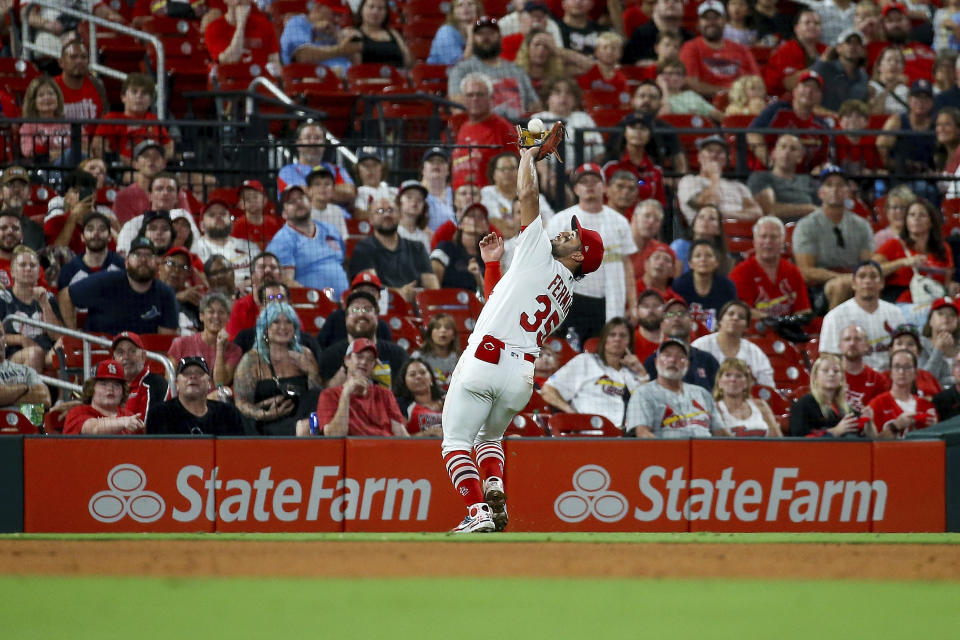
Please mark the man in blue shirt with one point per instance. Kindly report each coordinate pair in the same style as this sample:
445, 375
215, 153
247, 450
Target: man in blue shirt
316, 37
310, 252
119, 301
311, 140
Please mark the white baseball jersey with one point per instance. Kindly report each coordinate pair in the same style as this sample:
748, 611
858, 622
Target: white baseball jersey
609, 281
688, 414
531, 300
590, 386
237, 251
879, 325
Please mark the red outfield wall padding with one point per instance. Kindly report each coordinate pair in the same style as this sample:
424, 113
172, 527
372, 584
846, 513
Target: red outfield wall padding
355, 484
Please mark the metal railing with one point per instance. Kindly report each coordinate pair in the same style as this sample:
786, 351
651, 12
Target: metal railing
87, 339
29, 47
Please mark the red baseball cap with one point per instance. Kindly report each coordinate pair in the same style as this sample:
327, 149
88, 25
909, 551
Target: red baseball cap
178, 250
361, 344
614, 167
592, 247
251, 184
219, 201
810, 74
940, 303
894, 6
366, 278
127, 335
109, 370
588, 167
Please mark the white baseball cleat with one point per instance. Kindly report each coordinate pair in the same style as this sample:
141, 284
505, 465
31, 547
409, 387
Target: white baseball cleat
496, 499
478, 520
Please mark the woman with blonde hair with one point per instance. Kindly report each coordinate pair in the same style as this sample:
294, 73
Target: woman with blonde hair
538, 56
824, 412
453, 41
747, 96
741, 414
44, 141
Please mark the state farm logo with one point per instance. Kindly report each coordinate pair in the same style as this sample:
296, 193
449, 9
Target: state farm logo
591, 496
126, 497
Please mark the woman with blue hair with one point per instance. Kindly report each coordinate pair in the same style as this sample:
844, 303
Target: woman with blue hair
277, 381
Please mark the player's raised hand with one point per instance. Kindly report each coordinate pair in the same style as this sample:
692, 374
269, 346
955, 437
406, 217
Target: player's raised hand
491, 248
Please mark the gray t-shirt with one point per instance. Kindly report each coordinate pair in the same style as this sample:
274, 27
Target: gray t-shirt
688, 414
797, 190
12, 373
816, 235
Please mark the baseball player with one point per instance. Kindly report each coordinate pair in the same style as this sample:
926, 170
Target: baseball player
494, 378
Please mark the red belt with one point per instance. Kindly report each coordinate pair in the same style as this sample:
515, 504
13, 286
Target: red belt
529, 357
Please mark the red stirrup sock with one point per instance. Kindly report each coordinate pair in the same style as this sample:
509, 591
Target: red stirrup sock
465, 476
490, 459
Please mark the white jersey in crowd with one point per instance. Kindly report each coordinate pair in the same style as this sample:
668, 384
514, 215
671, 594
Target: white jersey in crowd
531, 300
237, 251
750, 353
333, 215
609, 281
688, 414
590, 386
753, 426
132, 226
879, 326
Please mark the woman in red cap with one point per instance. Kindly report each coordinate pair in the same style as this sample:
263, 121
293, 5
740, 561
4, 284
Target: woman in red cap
102, 411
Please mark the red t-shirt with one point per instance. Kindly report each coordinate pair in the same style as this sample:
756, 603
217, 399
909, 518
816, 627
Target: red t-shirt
259, 234
73, 422
927, 385
53, 225
668, 294
422, 418
786, 59
259, 39
893, 249
651, 179
643, 347
864, 387
785, 296
243, 315
370, 415
7, 280
510, 45
593, 80
857, 156
139, 399
885, 408
918, 57
123, 138
84, 103
718, 67
494, 130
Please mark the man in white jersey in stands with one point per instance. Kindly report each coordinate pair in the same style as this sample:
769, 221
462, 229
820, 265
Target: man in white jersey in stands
494, 378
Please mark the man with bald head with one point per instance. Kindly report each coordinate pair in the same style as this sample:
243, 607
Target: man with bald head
783, 192
864, 383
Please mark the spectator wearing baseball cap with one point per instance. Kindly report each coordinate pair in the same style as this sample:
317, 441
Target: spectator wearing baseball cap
371, 185
798, 114
710, 187
191, 412
843, 73
255, 225
940, 340
907, 154
334, 329
95, 256
134, 199
134, 300
145, 389
102, 411
791, 58
898, 32
435, 176
414, 223
360, 406
677, 324
611, 291
637, 134
659, 270
714, 62
15, 189
217, 240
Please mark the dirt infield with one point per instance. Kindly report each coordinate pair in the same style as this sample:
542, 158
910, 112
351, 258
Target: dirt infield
227, 558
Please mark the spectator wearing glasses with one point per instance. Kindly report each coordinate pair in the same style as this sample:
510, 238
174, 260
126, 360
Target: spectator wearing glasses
264, 268
676, 324
335, 327
191, 412
270, 292
116, 301
829, 242
101, 411
176, 270
213, 343
219, 273
902, 410
907, 337
145, 388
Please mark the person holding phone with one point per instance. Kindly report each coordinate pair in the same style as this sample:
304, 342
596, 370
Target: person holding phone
65, 214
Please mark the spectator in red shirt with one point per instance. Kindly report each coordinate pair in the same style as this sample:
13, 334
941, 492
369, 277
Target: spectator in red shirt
864, 383
918, 57
888, 411
360, 407
254, 225
623, 189
83, 94
638, 131
712, 61
793, 57
855, 154
605, 75
133, 199
264, 268
146, 389
772, 285
62, 226
482, 128
244, 35
798, 114
648, 335
102, 411
138, 92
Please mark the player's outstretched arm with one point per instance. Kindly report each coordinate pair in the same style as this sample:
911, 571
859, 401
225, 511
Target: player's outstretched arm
528, 188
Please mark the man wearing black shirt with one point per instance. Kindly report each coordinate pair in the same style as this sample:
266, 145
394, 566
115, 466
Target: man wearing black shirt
667, 17
191, 413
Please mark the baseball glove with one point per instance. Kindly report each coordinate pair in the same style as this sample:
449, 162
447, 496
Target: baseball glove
548, 142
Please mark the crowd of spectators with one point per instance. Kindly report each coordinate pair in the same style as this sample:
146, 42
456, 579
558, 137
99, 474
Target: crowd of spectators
339, 299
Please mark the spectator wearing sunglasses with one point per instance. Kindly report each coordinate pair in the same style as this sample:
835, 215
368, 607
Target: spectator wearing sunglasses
269, 293
191, 412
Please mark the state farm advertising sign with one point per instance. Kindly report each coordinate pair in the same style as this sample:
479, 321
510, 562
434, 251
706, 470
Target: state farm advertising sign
356, 484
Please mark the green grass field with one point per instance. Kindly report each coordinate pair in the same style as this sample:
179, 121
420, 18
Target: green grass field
419, 608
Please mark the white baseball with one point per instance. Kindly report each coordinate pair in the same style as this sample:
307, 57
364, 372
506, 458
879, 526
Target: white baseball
535, 126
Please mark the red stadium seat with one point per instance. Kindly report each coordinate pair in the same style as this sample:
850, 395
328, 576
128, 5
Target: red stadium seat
582, 425
537, 405
305, 297
374, 78
405, 332
16, 75
562, 348
525, 425
14, 423
447, 300
296, 75
430, 78
688, 141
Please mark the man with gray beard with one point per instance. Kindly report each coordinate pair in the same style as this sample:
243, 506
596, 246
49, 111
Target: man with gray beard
668, 407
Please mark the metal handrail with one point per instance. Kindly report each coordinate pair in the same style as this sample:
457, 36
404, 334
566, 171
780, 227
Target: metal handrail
28, 46
89, 338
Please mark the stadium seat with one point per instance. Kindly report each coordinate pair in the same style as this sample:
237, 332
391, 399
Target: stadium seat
537, 405
14, 423
405, 332
435, 301
70, 358
638, 73
430, 78
297, 75
396, 305
688, 141
565, 352
305, 297
525, 425
582, 425
593, 98
374, 77
16, 75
